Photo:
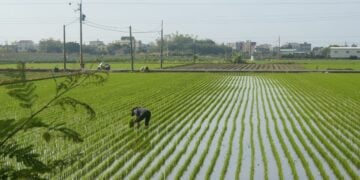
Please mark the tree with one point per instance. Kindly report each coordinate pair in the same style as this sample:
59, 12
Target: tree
179, 44
238, 60
50, 46
72, 47
24, 91
115, 48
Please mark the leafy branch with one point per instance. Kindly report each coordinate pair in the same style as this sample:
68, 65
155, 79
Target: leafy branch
24, 92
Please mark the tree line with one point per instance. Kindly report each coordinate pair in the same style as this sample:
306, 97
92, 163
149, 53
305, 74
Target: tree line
174, 44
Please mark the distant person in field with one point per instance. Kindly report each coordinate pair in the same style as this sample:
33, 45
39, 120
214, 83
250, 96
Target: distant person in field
141, 114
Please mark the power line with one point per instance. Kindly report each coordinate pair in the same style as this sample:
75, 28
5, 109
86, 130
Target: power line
72, 22
116, 29
259, 3
145, 32
104, 28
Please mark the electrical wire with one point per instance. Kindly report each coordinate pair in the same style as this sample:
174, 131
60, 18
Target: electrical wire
103, 28
259, 3
114, 28
106, 26
72, 22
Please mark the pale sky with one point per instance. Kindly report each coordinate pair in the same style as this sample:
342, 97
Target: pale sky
320, 22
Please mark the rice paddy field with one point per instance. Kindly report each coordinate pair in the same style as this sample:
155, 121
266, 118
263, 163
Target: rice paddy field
295, 64
114, 65
209, 126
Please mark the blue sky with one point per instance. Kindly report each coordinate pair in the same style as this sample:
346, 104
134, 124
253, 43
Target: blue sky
320, 22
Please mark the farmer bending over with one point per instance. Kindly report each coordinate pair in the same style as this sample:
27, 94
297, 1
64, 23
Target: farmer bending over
140, 113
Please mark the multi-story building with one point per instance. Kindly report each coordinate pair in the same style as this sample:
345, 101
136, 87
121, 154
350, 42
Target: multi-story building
263, 51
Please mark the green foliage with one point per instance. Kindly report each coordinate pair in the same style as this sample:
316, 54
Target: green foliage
184, 135
24, 92
50, 46
180, 44
73, 47
238, 60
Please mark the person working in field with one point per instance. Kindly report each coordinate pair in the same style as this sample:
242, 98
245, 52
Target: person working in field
141, 114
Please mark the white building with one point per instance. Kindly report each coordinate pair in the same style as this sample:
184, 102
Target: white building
301, 48
344, 52
96, 43
288, 51
25, 45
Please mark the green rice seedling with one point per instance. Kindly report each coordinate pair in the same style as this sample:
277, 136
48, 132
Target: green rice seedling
232, 135
309, 150
291, 138
184, 149
281, 140
199, 108
326, 143
241, 139
202, 157
261, 142
218, 146
273, 147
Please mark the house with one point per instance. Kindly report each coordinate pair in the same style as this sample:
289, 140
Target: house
345, 52
318, 52
288, 51
263, 51
25, 45
96, 43
125, 40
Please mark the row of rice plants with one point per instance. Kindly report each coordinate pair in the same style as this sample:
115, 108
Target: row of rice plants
279, 136
309, 133
291, 120
261, 141
252, 145
342, 89
331, 125
107, 128
270, 138
313, 118
120, 136
222, 133
210, 105
289, 132
340, 123
242, 132
164, 120
181, 133
337, 139
210, 112
332, 104
199, 164
232, 135
121, 139
224, 102
325, 121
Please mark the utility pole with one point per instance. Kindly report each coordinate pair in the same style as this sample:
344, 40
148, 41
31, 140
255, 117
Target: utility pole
64, 50
250, 47
278, 54
194, 51
6, 45
131, 50
82, 17
162, 45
